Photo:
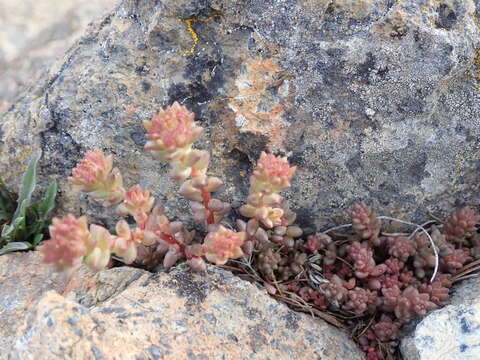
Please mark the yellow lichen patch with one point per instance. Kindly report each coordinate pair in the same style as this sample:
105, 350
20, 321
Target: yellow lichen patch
257, 104
474, 70
189, 24
357, 9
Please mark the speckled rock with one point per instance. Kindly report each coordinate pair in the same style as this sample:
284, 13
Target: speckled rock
451, 333
373, 100
24, 279
176, 315
34, 33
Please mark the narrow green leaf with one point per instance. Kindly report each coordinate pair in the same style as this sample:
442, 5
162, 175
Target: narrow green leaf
7, 230
11, 231
18, 226
28, 183
37, 239
22, 209
14, 246
49, 201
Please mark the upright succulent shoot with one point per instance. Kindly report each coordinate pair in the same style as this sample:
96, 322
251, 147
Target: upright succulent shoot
171, 134
272, 175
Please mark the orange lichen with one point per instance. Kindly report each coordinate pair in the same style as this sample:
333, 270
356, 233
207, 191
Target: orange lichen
256, 110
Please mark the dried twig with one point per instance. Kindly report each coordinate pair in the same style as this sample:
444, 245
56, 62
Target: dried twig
303, 306
466, 271
434, 217
370, 322
337, 228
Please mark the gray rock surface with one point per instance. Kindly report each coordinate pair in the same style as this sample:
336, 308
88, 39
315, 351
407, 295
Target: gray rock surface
127, 313
34, 33
373, 100
24, 279
451, 333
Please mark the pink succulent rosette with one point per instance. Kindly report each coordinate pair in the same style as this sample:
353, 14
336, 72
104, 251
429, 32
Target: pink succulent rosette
137, 203
171, 132
223, 245
92, 171
272, 174
68, 243
94, 175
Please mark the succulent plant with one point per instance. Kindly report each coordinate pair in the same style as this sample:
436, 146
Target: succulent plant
386, 329
272, 175
363, 261
365, 222
461, 224
382, 279
154, 238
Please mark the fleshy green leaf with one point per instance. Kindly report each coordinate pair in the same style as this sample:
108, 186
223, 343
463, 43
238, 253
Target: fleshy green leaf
37, 239
14, 246
17, 228
8, 230
48, 202
28, 184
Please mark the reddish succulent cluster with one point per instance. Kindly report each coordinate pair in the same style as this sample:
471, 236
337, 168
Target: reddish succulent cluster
365, 222
460, 225
364, 274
